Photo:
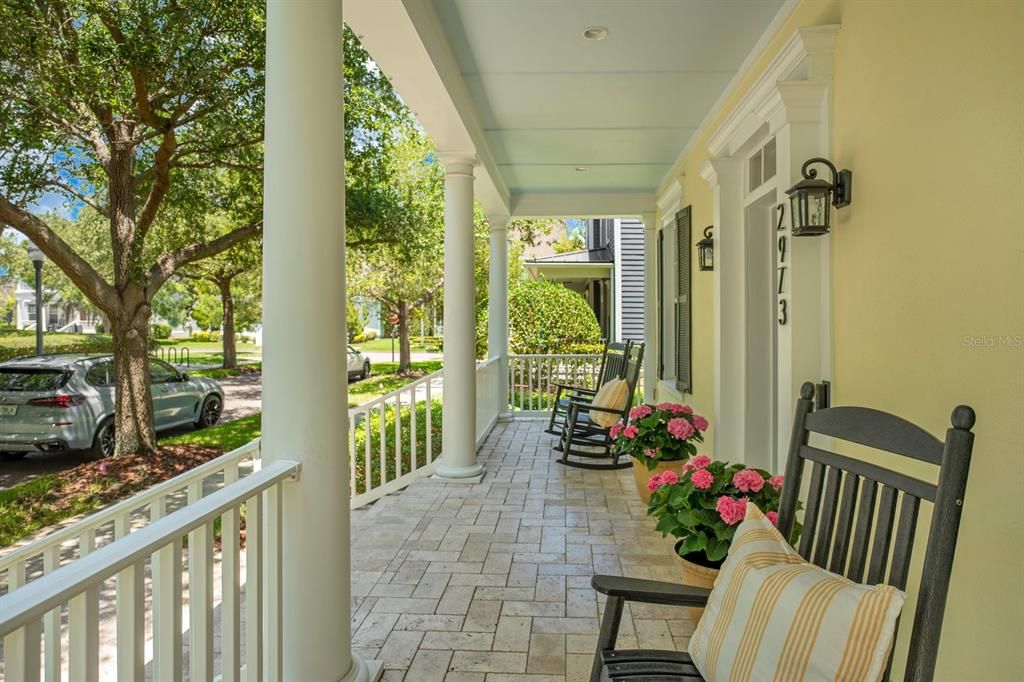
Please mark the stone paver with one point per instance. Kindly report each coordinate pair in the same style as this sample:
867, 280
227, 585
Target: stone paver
491, 582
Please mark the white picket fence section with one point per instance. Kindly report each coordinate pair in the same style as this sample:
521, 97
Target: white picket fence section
533, 379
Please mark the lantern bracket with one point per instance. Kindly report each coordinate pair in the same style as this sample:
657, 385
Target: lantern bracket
842, 180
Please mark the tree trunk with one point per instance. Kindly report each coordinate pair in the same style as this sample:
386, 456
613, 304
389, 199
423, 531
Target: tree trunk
133, 420
404, 350
228, 328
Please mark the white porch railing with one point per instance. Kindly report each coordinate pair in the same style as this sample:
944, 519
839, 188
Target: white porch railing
533, 379
489, 401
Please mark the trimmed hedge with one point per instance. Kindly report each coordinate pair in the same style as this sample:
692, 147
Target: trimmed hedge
17, 344
547, 317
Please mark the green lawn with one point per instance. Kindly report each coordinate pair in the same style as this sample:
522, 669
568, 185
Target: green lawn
385, 345
385, 379
226, 436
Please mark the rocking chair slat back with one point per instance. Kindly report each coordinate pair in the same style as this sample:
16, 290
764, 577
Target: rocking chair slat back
613, 365
848, 524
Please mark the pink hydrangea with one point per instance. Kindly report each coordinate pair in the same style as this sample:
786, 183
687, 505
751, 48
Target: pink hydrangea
653, 482
773, 517
685, 409
669, 478
776, 481
748, 481
680, 428
700, 461
700, 422
616, 429
702, 479
640, 411
630, 431
651, 452
731, 510
673, 408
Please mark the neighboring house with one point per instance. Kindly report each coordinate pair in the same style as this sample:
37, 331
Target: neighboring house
57, 315
609, 273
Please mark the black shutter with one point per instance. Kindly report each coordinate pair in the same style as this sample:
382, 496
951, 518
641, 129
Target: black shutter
661, 304
684, 360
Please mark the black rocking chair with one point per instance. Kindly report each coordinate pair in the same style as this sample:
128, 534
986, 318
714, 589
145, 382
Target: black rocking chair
585, 440
613, 366
850, 488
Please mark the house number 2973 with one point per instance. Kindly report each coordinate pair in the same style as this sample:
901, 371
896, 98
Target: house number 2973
783, 311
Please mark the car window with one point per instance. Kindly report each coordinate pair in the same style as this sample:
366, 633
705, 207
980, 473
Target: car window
352, 351
100, 375
31, 379
161, 373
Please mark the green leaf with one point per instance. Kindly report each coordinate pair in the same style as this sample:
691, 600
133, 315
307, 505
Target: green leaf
693, 543
716, 549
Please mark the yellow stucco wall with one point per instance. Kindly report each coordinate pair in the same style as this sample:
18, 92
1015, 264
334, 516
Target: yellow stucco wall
928, 268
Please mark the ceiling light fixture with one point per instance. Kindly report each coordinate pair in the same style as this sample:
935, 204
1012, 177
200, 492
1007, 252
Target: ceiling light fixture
595, 33
581, 169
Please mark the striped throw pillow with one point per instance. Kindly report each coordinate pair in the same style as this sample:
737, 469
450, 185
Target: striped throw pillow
774, 616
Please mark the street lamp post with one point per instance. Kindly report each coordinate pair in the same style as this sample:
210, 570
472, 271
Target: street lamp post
37, 258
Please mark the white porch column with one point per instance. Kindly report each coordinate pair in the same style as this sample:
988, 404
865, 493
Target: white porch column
651, 265
458, 440
497, 304
304, 335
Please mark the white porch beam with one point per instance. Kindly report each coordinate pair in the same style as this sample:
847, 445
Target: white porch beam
651, 349
497, 304
304, 315
458, 440
581, 204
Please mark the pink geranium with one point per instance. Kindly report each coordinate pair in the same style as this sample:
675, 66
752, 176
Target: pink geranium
669, 478
731, 510
616, 429
640, 411
776, 481
700, 461
653, 482
651, 452
700, 422
773, 517
702, 479
685, 409
748, 481
630, 431
680, 428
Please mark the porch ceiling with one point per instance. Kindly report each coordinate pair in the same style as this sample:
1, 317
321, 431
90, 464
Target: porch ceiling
538, 101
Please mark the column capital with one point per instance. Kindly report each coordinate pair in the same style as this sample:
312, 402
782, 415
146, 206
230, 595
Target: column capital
457, 163
648, 219
498, 222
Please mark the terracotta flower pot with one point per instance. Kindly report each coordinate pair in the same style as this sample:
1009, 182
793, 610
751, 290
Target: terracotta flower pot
697, 575
641, 474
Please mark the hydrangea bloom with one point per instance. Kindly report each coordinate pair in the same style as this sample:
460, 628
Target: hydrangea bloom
700, 461
616, 429
669, 478
773, 517
630, 431
731, 510
702, 479
700, 422
640, 411
685, 409
680, 428
776, 481
748, 481
653, 482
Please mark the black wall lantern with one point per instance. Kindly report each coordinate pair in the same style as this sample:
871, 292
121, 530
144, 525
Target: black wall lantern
810, 199
706, 250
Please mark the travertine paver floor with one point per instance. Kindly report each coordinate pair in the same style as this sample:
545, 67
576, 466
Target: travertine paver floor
491, 582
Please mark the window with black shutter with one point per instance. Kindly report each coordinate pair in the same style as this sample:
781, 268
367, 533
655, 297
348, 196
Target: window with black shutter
684, 360
661, 304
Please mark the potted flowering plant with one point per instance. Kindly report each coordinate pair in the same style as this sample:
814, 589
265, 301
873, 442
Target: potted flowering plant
659, 438
704, 505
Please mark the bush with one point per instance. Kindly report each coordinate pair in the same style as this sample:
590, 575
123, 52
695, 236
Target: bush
161, 331
546, 317
368, 335
358, 454
16, 344
205, 337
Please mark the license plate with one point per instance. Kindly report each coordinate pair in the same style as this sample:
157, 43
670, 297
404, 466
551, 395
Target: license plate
8, 410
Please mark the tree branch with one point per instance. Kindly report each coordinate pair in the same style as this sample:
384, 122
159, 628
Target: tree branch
90, 282
169, 263
68, 189
161, 185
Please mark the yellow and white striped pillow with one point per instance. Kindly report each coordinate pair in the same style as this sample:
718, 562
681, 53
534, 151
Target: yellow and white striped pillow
774, 616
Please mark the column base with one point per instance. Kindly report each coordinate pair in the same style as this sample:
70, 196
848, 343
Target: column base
363, 671
457, 474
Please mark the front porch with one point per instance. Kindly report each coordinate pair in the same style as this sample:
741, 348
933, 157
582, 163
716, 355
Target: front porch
492, 580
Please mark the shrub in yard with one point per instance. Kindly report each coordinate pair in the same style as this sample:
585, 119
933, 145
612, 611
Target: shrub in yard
205, 337
546, 317
16, 344
161, 331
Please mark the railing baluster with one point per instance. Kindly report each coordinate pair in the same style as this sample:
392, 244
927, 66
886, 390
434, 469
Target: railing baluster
52, 654
200, 602
398, 439
166, 604
230, 587
429, 435
529, 380
367, 445
412, 434
382, 445
84, 636
254, 589
272, 553
131, 622
352, 453
21, 653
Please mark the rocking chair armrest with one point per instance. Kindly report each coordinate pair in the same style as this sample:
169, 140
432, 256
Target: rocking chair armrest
576, 389
650, 591
588, 407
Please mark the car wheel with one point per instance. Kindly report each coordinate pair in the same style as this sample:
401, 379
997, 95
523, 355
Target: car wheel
209, 414
12, 456
104, 442
366, 370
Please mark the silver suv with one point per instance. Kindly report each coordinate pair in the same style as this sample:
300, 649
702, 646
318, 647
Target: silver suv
50, 403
